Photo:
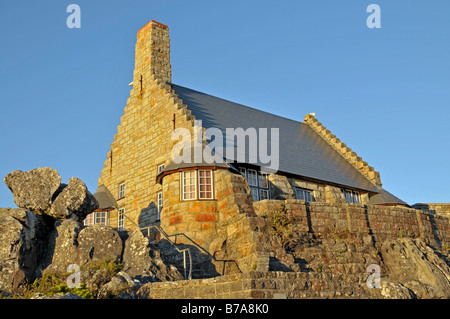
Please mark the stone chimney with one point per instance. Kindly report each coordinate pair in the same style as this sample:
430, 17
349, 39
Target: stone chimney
152, 54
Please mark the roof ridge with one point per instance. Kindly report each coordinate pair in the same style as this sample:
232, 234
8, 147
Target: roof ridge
249, 107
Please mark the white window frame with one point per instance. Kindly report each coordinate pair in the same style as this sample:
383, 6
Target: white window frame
89, 220
307, 194
255, 193
121, 219
259, 183
121, 190
94, 218
212, 184
351, 196
161, 167
159, 202
183, 193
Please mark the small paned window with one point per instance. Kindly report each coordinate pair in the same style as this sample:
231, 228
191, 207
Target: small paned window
258, 182
189, 185
205, 182
351, 196
122, 190
121, 219
160, 204
304, 194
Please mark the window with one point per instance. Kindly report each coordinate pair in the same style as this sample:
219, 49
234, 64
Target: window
304, 194
263, 194
258, 182
96, 218
121, 190
205, 184
252, 177
255, 193
351, 196
189, 185
89, 220
202, 178
159, 201
100, 218
263, 181
121, 219
160, 168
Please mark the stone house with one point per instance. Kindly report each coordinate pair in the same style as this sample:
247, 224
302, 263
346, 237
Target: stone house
142, 182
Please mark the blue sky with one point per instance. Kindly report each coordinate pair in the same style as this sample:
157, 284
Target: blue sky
384, 92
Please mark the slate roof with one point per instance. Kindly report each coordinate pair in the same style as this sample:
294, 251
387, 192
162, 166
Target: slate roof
104, 198
179, 164
302, 151
385, 198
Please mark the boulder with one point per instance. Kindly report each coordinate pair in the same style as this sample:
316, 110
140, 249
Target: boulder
97, 243
74, 201
34, 190
22, 242
62, 249
416, 266
121, 286
144, 262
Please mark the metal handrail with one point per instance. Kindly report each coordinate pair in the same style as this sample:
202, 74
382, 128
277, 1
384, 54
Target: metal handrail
174, 244
168, 239
159, 228
167, 236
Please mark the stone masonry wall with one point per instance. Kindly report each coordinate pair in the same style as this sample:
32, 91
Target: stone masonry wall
143, 139
263, 285
335, 243
328, 220
282, 187
437, 208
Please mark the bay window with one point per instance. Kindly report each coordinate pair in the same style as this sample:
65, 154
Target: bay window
197, 184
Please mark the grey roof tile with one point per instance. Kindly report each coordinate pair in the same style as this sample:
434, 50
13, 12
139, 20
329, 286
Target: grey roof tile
302, 151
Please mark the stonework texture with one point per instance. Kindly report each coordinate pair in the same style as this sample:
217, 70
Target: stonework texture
278, 246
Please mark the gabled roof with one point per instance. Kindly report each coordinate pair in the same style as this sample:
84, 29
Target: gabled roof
302, 151
104, 198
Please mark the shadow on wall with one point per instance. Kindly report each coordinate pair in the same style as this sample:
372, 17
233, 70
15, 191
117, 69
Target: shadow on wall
204, 265
148, 215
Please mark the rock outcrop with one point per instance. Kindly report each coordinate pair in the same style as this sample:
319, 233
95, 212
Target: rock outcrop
34, 190
143, 261
22, 242
417, 267
74, 201
40, 191
46, 235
